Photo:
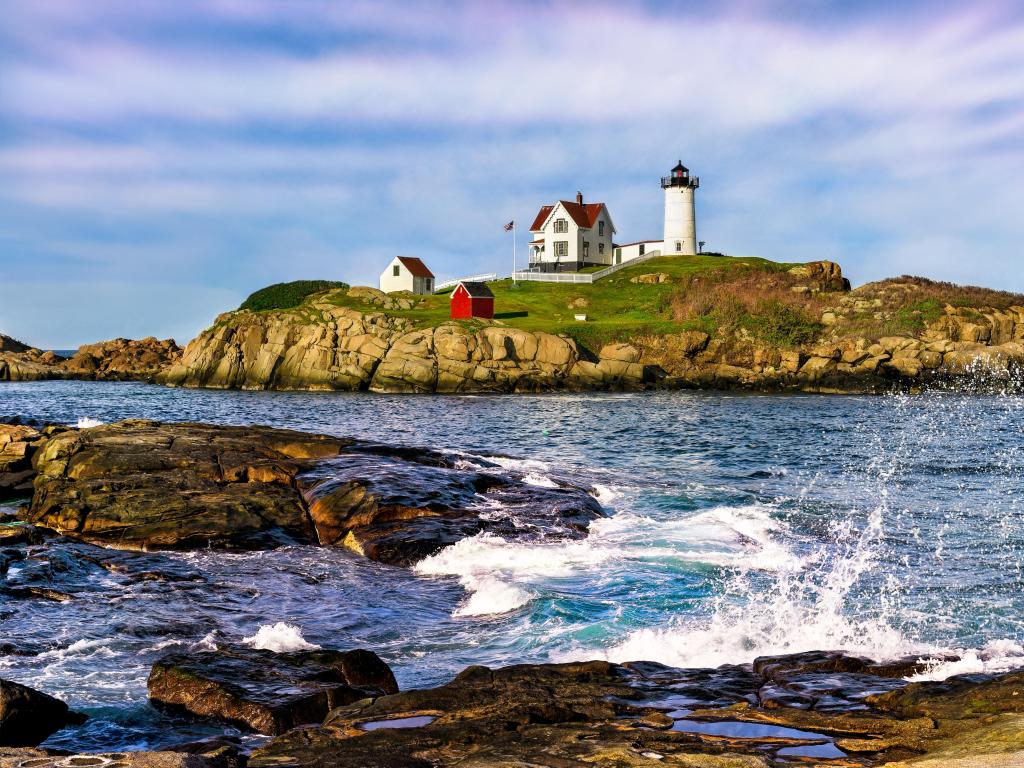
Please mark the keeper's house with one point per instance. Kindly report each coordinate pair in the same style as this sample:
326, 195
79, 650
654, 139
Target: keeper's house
406, 273
471, 299
569, 236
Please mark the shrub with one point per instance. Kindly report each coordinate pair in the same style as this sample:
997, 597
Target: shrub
287, 295
761, 302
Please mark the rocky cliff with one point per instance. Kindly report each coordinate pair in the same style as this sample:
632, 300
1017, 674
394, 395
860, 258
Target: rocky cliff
332, 347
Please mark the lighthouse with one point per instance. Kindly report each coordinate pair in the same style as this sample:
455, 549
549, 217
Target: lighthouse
680, 212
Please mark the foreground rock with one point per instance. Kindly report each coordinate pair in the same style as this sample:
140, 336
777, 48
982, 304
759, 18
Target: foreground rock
265, 691
646, 714
18, 444
41, 758
146, 485
28, 717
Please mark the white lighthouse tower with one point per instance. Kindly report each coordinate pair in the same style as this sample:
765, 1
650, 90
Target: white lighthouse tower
680, 212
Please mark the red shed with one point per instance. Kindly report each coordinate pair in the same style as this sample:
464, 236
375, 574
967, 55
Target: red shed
472, 300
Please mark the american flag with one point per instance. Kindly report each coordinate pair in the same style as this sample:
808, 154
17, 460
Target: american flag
508, 227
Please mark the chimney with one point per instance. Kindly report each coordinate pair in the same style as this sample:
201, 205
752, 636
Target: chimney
579, 198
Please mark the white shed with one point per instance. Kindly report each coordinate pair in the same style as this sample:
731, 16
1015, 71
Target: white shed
406, 273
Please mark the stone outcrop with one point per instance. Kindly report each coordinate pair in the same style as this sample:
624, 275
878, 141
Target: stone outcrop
806, 709
18, 443
378, 298
331, 347
120, 359
28, 717
326, 347
264, 691
117, 359
145, 485
820, 276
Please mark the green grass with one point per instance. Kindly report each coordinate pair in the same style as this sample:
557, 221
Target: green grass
287, 295
617, 309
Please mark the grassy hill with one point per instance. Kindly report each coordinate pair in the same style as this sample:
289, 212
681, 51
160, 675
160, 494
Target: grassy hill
615, 307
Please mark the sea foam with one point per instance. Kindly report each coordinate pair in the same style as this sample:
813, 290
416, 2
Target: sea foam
85, 422
280, 638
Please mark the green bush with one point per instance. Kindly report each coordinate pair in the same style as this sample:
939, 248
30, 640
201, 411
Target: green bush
286, 295
781, 324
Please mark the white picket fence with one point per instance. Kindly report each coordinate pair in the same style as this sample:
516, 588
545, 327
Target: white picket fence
471, 279
582, 277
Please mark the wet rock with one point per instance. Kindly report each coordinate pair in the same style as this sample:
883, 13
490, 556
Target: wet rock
40, 758
146, 485
398, 507
956, 698
28, 717
265, 691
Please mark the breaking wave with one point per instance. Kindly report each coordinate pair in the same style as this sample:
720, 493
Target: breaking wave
280, 638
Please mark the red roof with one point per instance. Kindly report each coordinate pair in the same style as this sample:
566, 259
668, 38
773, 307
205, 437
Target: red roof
415, 266
539, 221
584, 215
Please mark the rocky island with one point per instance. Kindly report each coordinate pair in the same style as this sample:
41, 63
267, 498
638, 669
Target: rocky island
671, 322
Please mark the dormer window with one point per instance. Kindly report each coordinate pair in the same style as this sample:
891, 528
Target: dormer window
561, 225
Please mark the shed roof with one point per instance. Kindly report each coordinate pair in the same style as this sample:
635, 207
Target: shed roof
476, 290
415, 266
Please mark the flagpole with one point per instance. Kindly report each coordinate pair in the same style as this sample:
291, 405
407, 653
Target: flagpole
513, 251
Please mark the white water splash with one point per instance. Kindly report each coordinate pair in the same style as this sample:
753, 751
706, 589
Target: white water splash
280, 638
85, 422
502, 576
995, 656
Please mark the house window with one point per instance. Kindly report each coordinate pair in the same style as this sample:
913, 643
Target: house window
396, 271
586, 249
679, 246
600, 228
430, 285
561, 248
561, 225
618, 255
600, 248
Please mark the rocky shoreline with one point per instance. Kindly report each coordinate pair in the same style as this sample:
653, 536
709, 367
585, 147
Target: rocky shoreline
359, 340
142, 485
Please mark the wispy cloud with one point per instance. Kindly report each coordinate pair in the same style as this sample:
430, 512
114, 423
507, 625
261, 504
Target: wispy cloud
279, 140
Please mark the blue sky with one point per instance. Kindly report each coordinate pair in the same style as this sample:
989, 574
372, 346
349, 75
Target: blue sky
161, 160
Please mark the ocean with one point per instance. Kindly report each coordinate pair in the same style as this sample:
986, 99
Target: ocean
738, 525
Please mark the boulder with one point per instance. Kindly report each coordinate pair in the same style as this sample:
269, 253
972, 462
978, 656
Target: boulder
822, 276
146, 485
120, 359
265, 691
28, 717
651, 278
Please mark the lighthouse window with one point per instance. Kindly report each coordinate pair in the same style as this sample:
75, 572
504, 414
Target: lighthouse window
679, 246
561, 225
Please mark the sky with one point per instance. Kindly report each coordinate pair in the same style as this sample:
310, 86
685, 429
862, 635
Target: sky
161, 160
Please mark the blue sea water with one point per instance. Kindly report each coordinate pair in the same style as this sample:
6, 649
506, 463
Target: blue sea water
739, 525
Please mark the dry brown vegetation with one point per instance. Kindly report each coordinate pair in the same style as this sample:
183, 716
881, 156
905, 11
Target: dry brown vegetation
761, 302
946, 293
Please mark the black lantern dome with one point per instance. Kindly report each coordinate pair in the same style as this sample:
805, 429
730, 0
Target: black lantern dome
680, 177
